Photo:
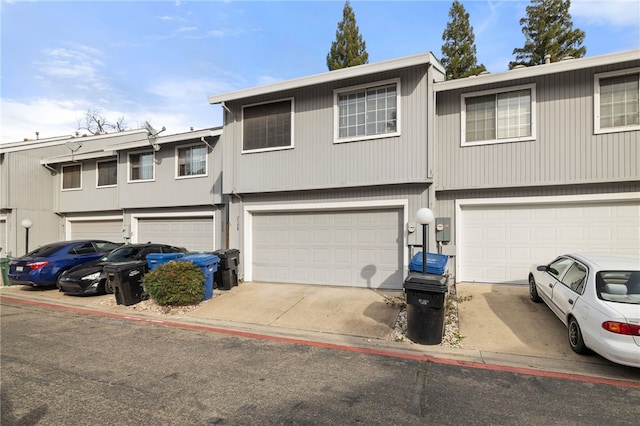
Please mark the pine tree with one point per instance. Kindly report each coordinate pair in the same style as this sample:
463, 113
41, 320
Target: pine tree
349, 49
548, 30
459, 47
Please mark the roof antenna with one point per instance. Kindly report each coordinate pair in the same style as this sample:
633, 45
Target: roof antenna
73, 146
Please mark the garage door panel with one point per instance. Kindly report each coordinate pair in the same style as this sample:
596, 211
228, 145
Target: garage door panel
99, 229
330, 247
193, 233
538, 233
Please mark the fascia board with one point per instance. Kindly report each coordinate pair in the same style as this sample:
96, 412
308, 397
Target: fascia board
327, 77
160, 140
539, 70
77, 157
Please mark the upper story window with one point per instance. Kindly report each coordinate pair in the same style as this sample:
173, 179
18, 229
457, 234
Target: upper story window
617, 101
267, 127
367, 112
141, 166
72, 177
192, 160
498, 116
107, 173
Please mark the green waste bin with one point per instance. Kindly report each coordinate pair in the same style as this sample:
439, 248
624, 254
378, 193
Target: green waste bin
4, 265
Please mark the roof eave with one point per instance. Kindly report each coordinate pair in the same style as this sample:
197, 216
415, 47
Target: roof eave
539, 70
330, 76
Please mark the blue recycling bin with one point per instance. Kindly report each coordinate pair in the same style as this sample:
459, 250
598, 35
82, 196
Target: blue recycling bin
208, 264
436, 263
157, 259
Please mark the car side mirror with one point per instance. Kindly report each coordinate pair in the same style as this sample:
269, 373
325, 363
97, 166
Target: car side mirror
542, 268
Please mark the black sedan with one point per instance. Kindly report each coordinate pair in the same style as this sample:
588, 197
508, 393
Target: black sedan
89, 278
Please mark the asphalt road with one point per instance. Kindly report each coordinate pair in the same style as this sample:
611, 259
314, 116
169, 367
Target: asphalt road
60, 367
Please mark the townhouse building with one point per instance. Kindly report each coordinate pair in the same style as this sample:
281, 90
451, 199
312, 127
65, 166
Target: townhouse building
317, 180
124, 187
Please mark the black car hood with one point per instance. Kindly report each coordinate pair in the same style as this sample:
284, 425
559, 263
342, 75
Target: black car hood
80, 271
84, 269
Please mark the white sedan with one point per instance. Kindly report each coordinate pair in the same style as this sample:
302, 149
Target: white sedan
598, 298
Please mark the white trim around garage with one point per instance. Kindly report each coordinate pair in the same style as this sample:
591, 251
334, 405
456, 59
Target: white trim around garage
69, 221
535, 201
135, 217
249, 210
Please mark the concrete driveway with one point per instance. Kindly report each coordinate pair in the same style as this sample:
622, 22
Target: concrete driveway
502, 318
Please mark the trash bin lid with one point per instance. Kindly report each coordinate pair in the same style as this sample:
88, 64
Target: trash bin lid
121, 266
201, 259
426, 282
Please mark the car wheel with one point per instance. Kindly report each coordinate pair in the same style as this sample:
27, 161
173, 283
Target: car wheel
58, 279
575, 338
108, 288
533, 290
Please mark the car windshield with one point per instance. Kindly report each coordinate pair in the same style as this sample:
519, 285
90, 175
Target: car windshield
619, 286
123, 254
106, 246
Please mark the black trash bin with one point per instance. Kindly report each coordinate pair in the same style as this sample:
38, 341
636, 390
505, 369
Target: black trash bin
126, 281
227, 274
426, 295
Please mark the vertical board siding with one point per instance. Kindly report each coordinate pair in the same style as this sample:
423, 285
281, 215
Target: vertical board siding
165, 190
317, 162
565, 151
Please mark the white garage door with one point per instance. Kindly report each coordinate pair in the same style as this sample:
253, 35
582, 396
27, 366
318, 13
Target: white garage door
344, 248
499, 243
110, 230
192, 233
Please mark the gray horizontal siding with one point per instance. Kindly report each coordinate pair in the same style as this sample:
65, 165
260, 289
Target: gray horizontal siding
566, 151
315, 161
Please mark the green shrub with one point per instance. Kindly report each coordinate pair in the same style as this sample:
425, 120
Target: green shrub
175, 283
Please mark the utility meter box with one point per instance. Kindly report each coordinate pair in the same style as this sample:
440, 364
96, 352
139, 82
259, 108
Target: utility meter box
443, 229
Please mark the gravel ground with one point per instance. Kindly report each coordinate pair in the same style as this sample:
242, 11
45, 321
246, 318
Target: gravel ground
451, 337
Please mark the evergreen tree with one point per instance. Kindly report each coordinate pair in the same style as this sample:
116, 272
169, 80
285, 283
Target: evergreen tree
349, 49
459, 47
548, 30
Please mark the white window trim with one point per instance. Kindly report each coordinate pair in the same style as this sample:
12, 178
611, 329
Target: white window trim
277, 148
129, 180
98, 173
336, 111
463, 115
62, 188
596, 101
206, 161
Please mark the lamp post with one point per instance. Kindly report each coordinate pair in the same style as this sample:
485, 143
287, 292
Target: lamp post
424, 217
26, 224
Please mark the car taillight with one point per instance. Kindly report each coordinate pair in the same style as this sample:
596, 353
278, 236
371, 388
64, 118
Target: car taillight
37, 265
622, 328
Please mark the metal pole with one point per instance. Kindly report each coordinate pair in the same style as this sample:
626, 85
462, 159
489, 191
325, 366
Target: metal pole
425, 243
26, 241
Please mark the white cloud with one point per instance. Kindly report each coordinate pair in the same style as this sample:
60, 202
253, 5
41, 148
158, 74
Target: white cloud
607, 13
48, 117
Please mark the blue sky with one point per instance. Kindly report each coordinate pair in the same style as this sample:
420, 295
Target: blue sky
159, 60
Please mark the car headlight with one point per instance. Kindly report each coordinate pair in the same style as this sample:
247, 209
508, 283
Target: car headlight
92, 277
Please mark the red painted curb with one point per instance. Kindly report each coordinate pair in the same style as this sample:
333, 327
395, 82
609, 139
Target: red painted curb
356, 349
